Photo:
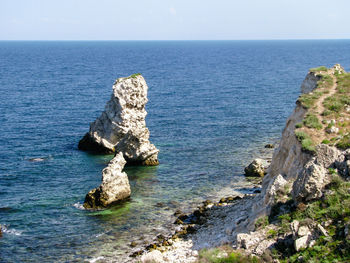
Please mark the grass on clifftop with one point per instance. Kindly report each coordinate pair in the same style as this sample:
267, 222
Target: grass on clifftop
307, 144
322, 68
311, 121
133, 76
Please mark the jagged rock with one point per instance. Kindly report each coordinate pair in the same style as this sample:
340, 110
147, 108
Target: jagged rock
310, 182
256, 168
122, 126
326, 155
114, 187
302, 242
310, 82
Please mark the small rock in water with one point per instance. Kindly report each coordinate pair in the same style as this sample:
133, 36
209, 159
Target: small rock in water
256, 168
269, 145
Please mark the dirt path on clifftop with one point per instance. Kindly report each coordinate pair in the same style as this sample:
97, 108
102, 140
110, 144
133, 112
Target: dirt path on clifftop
319, 108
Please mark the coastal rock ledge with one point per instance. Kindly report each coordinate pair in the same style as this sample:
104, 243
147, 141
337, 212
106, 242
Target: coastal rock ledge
114, 187
122, 126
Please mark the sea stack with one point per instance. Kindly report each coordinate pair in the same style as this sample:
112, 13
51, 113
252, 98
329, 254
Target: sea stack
122, 126
114, 187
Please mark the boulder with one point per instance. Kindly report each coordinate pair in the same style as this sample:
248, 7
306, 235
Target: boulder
256, 168
310, 182
122, 126
114, 187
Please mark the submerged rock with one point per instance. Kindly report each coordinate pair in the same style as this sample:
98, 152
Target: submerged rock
114, 187
256, 168
122, 126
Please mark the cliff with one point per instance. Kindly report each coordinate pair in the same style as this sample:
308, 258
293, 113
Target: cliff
302, 213
312, 159
122, 126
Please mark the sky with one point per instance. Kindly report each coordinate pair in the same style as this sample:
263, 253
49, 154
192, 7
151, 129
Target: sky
174, 19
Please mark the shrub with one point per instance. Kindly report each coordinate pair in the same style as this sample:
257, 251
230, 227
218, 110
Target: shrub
325, 141
308, 100
308, 145
311, 121
301, 135
261, 222
272, 233
344, 143
299, 125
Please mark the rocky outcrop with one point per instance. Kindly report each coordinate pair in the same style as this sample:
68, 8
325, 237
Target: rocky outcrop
310, 82
257, 168
122, 126
114, 187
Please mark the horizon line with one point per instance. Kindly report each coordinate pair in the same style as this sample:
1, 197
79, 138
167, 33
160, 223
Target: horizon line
165, 40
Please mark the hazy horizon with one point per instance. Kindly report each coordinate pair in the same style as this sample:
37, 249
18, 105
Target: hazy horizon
107, 20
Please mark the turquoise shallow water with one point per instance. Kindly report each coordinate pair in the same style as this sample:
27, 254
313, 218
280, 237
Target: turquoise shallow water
212, 106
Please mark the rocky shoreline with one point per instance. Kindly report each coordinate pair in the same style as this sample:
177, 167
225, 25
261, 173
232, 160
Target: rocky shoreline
304, 200
199, 224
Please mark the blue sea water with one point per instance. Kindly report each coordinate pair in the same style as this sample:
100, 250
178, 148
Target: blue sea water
212, 106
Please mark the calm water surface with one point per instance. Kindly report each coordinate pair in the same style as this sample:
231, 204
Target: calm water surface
212, 106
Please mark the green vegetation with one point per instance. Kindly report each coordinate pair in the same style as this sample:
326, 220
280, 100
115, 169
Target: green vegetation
337, 102
219, 256
322, 68
343, 82
135, 75
333, 104
311, 121
307, 144
325, 141
344, 142
333, 208
326, 82
299, 125
261, 222
308, 100
272, 233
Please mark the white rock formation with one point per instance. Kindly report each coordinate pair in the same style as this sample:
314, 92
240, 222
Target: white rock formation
122, 126
114, 187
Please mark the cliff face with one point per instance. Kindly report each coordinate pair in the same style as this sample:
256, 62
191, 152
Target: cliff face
308, 158
122, 126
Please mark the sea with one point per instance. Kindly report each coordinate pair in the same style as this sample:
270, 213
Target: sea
212, 107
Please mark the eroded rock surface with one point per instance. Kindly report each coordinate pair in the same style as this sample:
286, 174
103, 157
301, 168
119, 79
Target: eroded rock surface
114, 187
122, 126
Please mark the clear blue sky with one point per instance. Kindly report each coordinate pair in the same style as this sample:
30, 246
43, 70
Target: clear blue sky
173, 19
